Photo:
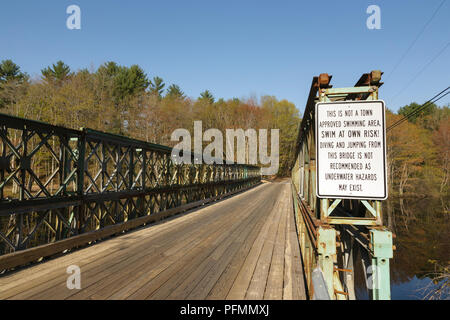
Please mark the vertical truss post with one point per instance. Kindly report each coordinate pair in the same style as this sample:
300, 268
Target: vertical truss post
348, 253
381, 246
378, 210
324, 79
326, 248
324, 205
103, 168
131, 168
118, 156
3, 162
63, 164
81, 153
25, 164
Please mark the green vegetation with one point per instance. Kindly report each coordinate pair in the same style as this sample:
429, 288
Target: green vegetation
418, 152
12, 83
121, 99
57, 73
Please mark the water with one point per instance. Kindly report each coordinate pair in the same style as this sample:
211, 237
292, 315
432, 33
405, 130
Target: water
422, 229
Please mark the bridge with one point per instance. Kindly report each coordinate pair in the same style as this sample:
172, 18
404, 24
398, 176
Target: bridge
138, 225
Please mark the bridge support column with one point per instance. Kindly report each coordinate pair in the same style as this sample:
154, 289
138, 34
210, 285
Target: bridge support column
382, 249
326, 248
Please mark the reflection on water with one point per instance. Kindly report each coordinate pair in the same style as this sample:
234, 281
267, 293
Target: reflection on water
422, 228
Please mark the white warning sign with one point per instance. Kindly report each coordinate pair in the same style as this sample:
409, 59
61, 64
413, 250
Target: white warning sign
351, 150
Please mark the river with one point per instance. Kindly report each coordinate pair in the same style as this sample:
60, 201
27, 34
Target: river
422, 229
422, 241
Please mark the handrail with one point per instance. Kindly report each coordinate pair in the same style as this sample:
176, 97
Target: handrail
57, 183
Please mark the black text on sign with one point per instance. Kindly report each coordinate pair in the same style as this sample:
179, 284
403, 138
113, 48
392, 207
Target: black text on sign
351, 150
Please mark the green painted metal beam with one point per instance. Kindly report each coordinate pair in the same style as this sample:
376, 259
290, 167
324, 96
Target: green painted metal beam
382, 250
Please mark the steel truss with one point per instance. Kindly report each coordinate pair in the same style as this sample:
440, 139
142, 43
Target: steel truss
334, 232
56, 183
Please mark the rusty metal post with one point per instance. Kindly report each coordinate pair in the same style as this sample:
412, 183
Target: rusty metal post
326, 248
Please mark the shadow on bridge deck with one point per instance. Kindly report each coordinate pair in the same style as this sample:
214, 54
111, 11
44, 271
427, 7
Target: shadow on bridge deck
244, 247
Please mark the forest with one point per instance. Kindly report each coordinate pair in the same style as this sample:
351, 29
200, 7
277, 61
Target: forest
125, 100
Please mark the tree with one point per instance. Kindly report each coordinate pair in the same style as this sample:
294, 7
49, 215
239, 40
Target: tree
283, 115
104, 82
409, 152
120, 86
11, 71
121, 82
11, 82
129, 81
433, 120
57, 73
174, 92
406, 110
108, 69
206, 96
441, 138
157, 86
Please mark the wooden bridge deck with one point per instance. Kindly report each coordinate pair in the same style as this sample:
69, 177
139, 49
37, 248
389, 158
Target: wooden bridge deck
244, 247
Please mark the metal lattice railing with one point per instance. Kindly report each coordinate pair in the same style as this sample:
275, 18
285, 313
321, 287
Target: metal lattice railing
56, 182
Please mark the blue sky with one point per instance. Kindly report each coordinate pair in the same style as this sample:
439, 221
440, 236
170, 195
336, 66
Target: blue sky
239, 48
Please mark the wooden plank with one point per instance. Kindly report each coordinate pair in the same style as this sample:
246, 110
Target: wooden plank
98, 250
297, 273
22, 257
223, 284
155, 281
259, 279
132, 286
241, 247
43, 269
150, 265
288, 260
133, 289
274, 287
238, 250
37, 277
98, 274
225, 248
99, 263
242, 281
104, 287
170, 256
162, 287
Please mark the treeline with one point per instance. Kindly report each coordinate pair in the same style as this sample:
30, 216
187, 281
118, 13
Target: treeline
418, 152
123, 100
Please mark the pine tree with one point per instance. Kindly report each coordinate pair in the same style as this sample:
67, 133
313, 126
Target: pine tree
129, 81
57, 73
10, 71
11, 80
122, 82
157, 86
207, 97
174, 92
